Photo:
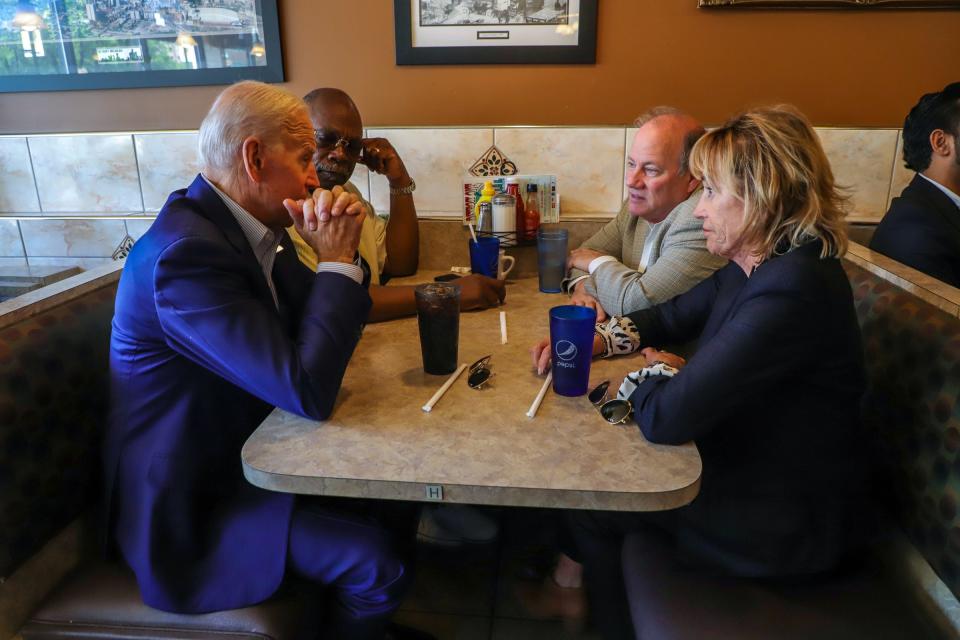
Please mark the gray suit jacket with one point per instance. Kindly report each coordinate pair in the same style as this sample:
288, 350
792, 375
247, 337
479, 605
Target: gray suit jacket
678, 260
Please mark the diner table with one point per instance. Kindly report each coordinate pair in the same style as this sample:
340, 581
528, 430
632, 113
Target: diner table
475, 446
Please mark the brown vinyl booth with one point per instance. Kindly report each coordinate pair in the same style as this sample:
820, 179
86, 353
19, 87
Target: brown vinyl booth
54, 384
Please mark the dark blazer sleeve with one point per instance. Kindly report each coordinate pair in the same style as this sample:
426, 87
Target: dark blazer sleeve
210, 315
767, 339
682, 318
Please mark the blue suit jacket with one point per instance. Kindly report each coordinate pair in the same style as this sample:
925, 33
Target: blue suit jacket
199, 356
922, 230
771, 398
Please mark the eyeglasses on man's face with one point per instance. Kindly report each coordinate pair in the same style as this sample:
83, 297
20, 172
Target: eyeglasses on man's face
328, 140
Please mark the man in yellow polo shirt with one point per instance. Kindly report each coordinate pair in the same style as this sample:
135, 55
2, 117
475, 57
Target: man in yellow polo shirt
390, 247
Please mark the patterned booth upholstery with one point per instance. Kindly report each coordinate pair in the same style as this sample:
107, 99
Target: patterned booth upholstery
912, 417
911, 410
52, 402
53, 406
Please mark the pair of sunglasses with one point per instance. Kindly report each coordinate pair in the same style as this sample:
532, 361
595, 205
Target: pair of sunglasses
614, 411
327, 140
479, 373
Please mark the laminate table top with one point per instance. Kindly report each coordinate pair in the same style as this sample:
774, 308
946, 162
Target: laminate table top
475, 446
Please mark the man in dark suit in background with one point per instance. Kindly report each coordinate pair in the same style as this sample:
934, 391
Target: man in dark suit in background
922, 227
217, 323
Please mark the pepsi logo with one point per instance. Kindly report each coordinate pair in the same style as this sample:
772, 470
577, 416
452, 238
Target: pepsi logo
566, 350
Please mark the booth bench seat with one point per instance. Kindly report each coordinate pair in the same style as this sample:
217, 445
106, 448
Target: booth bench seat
101, 601
863, 601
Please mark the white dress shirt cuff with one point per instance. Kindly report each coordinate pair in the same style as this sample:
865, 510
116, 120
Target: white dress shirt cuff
596, 262
352, 271
571, 284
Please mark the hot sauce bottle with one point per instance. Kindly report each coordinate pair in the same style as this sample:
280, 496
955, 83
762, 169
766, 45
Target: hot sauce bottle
531, 213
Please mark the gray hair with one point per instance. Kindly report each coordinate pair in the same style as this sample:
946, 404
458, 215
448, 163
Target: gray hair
689, 139
246, 109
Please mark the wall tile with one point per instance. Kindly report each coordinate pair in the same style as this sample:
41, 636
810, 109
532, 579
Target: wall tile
72, 238
588, 163
86, 173
167, 162
862, 159
10, 244
17, 191
437, 159
901, 175
136, 228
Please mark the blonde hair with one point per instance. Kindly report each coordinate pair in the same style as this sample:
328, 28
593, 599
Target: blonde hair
772, 160
247, 109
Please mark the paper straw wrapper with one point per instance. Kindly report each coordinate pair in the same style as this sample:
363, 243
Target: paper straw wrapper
442, 390
532, 411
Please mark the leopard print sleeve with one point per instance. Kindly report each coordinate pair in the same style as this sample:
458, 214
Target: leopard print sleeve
633, 380
618, 336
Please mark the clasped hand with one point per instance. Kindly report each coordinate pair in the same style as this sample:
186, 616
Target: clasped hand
330, 222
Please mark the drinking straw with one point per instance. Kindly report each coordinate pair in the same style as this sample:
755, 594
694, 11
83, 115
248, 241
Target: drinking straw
503, 327
532, 411
472, 233
442, 390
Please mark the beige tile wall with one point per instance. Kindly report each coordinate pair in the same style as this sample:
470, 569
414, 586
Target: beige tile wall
75, 197
17, 190
78, 174
166, 162
588, 163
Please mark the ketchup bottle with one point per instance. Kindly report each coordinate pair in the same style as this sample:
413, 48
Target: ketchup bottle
514, 189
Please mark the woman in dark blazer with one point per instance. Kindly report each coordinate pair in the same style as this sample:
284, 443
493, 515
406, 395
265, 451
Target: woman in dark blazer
771, 394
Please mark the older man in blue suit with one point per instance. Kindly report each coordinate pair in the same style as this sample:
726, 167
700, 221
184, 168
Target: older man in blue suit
216, 324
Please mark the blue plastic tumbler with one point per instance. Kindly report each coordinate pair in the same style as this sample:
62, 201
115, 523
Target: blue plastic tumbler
571, 348
551, 258
484, 254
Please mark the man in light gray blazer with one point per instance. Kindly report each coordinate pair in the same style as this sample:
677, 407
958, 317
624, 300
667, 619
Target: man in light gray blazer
654, 249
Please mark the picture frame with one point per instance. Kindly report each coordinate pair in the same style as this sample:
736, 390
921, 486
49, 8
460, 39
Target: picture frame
432, 32
829, 4
62, 45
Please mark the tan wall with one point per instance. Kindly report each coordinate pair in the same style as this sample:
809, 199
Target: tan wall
853, 68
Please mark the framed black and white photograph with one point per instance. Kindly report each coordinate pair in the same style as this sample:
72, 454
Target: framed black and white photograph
52, 45
496, 31
829, 4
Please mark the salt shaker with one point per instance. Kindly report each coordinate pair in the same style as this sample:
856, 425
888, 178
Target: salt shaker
505, 218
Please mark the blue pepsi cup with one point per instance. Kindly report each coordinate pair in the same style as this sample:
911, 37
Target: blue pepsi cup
484, 254
571, 348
